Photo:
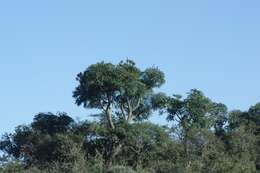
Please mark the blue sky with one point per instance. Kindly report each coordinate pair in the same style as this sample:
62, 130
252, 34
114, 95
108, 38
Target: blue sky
204, 44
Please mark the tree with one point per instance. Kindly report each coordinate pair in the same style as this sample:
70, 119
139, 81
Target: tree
42, 142
247, 123
50, 123
194, 116
143, 143
121, 91
204, 136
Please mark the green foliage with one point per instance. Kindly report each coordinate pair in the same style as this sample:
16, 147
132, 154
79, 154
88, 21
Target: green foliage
11, 166
123, 90
121, 169
42, 142
203, 137
49, 123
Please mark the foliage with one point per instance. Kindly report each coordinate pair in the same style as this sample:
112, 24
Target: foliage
121, 91
203, 136
121, 169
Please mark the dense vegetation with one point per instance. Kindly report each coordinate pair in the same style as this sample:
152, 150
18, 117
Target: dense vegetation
204, 137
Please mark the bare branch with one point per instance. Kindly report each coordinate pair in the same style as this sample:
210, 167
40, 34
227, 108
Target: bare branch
130, 111
137, 105
122, 110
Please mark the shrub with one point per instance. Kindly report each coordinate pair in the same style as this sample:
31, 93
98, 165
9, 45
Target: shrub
120, 169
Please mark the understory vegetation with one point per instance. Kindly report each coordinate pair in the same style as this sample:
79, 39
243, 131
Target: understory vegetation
203, 136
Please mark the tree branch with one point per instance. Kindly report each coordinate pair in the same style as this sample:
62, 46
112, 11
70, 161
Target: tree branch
108, 112
130, 111
137, 105
122, 110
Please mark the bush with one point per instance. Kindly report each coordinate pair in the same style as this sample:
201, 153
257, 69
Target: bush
10, 167
120, 169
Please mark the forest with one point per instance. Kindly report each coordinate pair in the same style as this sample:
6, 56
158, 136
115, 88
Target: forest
203, 136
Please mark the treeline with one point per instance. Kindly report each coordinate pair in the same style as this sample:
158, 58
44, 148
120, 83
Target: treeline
204, 137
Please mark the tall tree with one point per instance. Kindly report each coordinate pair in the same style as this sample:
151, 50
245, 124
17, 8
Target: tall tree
121, 91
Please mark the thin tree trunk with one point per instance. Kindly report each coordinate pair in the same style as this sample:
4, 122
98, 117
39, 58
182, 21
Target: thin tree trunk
109, 119
115, 150
130, 112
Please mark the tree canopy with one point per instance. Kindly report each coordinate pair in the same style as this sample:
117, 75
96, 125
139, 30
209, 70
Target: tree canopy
121, 91
203, 136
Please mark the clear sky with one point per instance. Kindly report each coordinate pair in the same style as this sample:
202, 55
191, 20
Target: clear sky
205, 44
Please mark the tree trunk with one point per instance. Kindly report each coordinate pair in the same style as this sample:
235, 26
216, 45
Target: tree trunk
130, 112
114, 151
109, 118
